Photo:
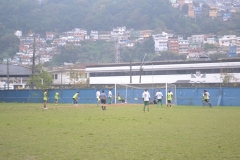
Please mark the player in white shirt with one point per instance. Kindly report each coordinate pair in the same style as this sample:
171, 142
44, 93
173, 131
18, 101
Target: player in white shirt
146, 99
110, 96
97, 96
206, 97
159, 97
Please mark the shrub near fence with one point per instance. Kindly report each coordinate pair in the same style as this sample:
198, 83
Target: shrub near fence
185, 96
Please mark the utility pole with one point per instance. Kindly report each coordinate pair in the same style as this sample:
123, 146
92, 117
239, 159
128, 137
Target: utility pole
130, 65
33, 63
8, 73
33, 59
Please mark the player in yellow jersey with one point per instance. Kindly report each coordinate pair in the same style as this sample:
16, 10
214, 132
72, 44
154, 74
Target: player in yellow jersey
56, 97
45, 98
169, 99
75, 99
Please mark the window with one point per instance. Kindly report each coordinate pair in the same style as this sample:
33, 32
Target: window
215, 70
160, 72
55, 76
181, 72
147, 73
171, 72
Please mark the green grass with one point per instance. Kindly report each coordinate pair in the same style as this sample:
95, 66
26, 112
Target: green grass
64, 132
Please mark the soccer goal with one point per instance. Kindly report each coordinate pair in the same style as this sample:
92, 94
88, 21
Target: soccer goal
132, 93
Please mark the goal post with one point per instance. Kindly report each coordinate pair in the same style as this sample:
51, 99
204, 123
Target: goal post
127, 92
132, 93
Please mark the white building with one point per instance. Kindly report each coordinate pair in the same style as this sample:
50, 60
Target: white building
18, 33
68, 75
210, 40
227, 40
94, 35
161, 42
197, 38
163, 72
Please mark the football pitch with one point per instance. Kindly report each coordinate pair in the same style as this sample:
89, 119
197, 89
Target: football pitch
122, 132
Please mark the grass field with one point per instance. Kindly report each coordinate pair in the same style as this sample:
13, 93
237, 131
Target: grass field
123, 132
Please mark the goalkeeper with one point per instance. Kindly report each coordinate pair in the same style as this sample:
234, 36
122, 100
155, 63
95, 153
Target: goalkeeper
120, 99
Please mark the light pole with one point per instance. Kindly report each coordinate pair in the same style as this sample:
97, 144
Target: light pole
141, 69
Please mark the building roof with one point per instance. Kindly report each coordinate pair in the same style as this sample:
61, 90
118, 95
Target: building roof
14, 71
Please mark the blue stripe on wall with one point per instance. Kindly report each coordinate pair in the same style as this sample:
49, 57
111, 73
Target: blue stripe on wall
185, 96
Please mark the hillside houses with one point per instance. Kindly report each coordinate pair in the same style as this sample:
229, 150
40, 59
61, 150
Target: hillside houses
222, 8
122, 36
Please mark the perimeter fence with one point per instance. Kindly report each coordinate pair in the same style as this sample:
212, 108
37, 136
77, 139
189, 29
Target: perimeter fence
220, 96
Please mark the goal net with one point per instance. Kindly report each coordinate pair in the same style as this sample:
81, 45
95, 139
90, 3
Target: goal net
132, 93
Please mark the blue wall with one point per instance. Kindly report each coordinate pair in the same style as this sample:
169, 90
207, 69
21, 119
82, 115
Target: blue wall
185, 96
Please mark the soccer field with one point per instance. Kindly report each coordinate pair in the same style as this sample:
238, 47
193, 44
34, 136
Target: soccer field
122, 132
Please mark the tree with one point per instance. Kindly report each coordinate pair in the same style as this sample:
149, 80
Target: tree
216, 56
208, 46
227, 77
8, 45
41, 81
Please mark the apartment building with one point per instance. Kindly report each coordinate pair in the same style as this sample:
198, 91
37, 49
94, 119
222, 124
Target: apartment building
227, 40
213, 11
161, 42
173, 44
197, 38
183, 46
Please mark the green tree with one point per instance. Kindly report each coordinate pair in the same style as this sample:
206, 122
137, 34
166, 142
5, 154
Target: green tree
217, 56
8, 45
41, 81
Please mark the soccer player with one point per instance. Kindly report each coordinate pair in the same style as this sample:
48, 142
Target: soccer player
75, 99
97, 96
206, 97
110, 96
45, 98
146, 99
103, 98
120, 98
56, 97
159, 97
169, 99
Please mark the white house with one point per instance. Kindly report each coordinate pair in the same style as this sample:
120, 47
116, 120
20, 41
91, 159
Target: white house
227, 40
161, 42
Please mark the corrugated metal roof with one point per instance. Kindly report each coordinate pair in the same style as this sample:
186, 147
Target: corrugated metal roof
15, 71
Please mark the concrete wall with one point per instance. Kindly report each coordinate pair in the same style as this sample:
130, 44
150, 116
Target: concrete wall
185, 96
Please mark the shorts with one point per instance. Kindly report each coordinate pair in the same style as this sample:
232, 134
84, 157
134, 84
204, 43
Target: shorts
74, 99
159, 100
146, 103
169, 101
206, 100
103, 101
56, 99
44, 100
